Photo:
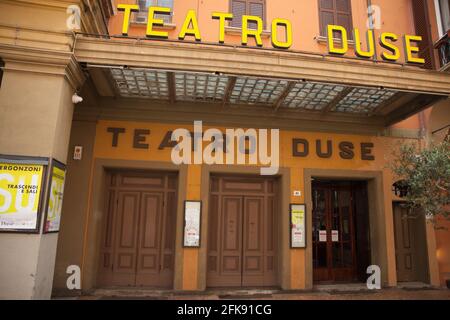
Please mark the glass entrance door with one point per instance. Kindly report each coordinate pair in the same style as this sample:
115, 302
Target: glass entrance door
334, 252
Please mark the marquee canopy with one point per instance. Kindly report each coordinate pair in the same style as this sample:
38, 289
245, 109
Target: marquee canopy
270, 81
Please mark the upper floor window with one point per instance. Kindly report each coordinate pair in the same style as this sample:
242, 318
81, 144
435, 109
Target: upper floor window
240, 8
422, 24
444, 8
336, 12
443, 20
142, 16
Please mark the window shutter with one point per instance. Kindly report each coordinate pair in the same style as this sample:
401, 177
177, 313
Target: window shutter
344, 16
238, 9
326, 15
343, 6
337, 12
247, 7
445, 14
256, 8
423, 28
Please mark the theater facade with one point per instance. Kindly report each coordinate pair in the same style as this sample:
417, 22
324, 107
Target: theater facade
289, 115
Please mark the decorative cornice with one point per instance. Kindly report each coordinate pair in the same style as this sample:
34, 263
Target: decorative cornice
74, 74
42, 61
36, 38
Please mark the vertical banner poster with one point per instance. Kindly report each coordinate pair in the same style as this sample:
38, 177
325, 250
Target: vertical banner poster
55, 197
298, 225
21, 190
192, 220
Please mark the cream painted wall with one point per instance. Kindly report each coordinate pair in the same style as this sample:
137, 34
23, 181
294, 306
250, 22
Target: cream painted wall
37, 17
36, 119
28, 116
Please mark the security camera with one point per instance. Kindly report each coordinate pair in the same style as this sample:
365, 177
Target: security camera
76, 99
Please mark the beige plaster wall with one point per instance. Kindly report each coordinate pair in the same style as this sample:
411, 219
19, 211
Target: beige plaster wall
36, 120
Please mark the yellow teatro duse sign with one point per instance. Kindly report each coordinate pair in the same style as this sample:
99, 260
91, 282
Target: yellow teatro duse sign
190, 28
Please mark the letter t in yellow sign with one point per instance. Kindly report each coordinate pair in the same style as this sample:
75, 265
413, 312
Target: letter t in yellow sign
222, 17
127, 9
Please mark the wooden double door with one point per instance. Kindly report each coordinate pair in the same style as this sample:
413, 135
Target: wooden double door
243, 232
410, 245
138, 242
341, 239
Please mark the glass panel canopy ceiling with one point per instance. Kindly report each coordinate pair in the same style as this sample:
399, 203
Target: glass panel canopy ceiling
257, 91
194, 87
312, 96
242, 90
151, 84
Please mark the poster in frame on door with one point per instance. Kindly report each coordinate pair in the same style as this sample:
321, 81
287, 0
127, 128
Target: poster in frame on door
192, 224
297, 225
22, 189
55, 195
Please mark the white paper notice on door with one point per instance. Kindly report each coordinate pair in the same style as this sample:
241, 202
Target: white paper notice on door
298, 214
335, 236
322, 235
192, 212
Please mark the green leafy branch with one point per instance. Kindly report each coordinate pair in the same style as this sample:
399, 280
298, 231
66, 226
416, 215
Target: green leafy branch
426, 176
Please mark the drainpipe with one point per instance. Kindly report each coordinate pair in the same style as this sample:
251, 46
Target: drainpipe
369, 4
371, 26
422, 124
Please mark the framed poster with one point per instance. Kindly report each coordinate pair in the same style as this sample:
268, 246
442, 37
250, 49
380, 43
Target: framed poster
192, 223
298, 225
55, 197
22, 185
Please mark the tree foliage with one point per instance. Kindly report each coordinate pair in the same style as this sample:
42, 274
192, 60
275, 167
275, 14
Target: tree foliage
426, 177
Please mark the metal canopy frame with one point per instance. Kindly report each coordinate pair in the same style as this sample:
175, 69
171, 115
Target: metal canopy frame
239, 86
279, 94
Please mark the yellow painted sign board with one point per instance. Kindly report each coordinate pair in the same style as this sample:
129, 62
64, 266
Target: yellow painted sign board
298, 225
21, 186
55, 200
